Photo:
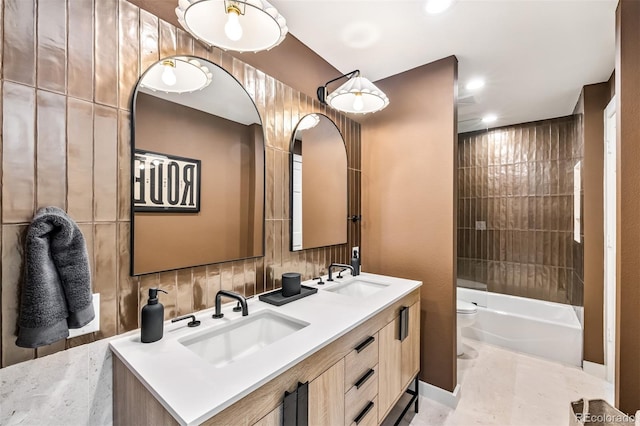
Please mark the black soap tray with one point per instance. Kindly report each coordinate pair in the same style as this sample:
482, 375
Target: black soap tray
276, 297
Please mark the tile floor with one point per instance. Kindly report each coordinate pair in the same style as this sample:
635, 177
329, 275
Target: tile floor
501, 387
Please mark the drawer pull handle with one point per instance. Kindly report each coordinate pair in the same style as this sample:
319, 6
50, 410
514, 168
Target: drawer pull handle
362, 380
364, 412
364, 344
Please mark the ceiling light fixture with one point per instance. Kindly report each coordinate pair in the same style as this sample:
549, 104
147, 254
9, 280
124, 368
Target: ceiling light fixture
475, 84
490, 118
433, 7
177, 75
357, 95
239, 25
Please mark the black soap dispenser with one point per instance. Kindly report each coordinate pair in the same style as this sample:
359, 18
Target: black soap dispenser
152, 318
355, 263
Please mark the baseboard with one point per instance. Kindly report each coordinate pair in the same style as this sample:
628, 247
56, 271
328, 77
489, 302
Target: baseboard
595, 369
450, 399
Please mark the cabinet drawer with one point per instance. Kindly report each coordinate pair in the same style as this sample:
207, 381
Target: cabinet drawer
367, 416
358, 363
356, 400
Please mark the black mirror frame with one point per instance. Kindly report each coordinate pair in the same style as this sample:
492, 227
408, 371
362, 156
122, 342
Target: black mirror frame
291, 144
132, 163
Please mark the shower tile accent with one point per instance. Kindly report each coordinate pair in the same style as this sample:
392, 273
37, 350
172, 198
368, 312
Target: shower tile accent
68, 70
519, 181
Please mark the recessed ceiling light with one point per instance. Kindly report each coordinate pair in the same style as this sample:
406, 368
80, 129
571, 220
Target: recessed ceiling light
475, 84
490, 118
433, 7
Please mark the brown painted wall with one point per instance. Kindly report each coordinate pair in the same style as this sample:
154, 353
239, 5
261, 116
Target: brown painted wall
409, 202
291, 62
324, 189
593, 100
628, 206
224, 228
519, 180
66, 142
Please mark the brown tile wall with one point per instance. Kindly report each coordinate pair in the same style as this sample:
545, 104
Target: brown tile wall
519, 180
68, 71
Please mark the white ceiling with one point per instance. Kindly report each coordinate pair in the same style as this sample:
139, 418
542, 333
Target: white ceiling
534, 55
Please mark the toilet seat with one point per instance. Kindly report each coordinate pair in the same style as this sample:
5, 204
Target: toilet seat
463, 307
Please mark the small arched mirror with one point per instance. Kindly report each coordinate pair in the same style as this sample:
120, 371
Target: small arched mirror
318, 184
197, 181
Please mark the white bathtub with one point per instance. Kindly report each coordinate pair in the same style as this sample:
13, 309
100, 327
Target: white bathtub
546, 329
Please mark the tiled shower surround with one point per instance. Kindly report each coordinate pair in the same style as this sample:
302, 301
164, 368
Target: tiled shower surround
68, 72
519, 181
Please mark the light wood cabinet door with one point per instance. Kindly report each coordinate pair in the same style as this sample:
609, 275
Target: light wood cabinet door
410, 364
389, 359
399, 360
274, 418
326, 397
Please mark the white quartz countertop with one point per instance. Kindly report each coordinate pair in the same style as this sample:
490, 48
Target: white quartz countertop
193, 390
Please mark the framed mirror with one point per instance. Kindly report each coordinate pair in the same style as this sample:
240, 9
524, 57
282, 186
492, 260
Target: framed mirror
197, 169
318, 193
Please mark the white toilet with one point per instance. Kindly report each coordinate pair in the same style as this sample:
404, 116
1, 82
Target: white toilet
467, 313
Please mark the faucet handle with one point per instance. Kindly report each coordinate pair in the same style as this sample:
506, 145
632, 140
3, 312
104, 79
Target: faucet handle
238, 308
320, 282
192, 323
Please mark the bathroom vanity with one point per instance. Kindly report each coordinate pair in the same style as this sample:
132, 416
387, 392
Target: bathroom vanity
343, 356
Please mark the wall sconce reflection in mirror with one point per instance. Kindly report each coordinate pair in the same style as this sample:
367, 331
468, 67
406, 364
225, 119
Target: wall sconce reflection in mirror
165, 183
358, 95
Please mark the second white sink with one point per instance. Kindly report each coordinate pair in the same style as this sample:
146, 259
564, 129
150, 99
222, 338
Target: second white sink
224, 345
357, 288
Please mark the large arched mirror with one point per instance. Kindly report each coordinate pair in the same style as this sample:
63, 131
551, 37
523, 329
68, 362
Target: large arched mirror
197, 181
318, 184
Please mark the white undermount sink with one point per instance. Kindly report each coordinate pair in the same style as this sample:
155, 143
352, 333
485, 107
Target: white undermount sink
357, 288
223, 345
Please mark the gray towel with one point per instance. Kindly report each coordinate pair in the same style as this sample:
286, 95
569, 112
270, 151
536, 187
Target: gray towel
56, 292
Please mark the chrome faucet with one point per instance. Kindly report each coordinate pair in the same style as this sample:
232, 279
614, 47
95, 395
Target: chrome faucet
240, 298
334, 265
